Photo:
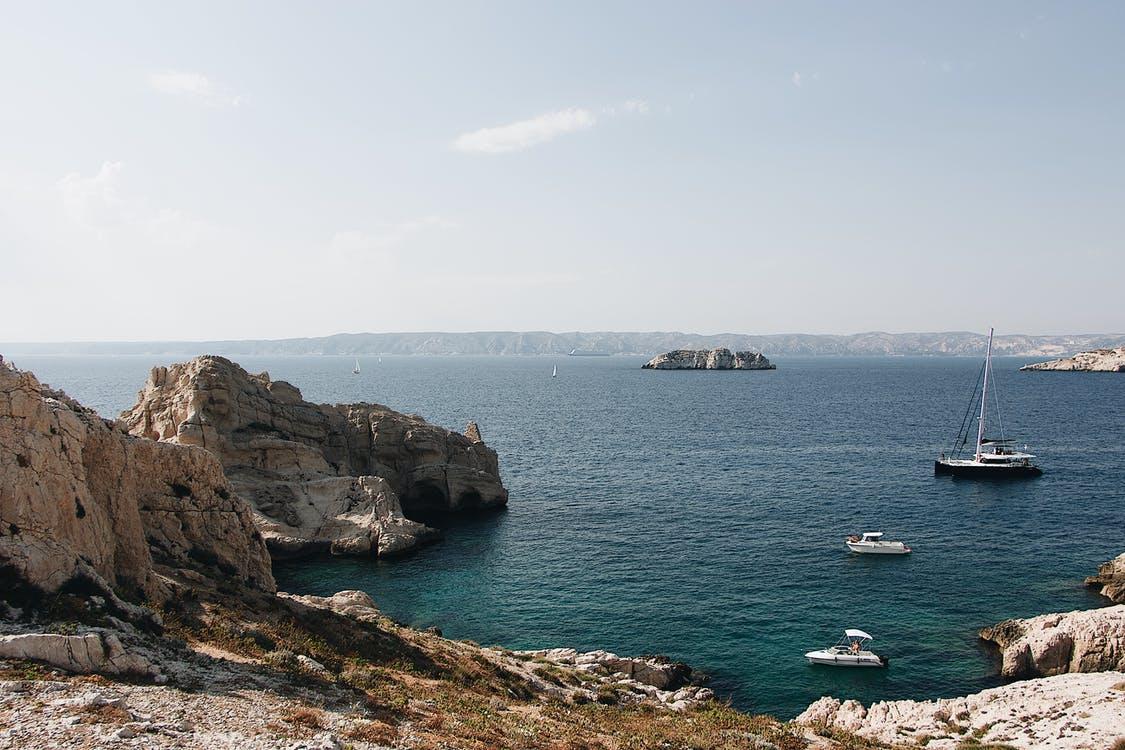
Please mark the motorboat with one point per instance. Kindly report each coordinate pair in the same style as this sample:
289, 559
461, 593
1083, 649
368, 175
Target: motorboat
872, 543
850, 651
994, 458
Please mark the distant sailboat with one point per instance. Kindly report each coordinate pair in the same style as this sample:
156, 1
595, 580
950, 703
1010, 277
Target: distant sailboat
1001, 459
355, 370
554, 371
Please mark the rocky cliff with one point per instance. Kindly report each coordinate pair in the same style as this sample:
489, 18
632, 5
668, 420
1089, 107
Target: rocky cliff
344, 477
715, 359
1110, 580
83, 504
1067, 711
1098, 360
1082, 641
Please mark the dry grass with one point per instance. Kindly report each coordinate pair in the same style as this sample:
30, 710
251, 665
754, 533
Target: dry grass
303, 716
375, 732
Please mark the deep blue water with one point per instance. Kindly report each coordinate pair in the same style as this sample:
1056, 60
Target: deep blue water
701, 514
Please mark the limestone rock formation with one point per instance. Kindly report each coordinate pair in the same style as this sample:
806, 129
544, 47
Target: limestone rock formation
1081, 641
715, 359
1098, 360
96, 652
84, 503
343, 477
1066, 711
1110, 580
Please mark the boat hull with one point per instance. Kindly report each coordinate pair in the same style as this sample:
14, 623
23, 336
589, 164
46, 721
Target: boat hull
828, 659
881, 549
984, 471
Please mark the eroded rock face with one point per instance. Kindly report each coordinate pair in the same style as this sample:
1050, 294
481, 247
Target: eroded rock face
1110, 580
98, 652
715, 359
1082, 641
1097, 360
341, 477
1066, 711
82, 501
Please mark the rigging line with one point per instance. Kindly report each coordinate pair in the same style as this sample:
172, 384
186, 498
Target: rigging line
962, 432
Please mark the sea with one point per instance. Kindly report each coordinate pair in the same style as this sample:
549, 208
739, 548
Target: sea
702, 515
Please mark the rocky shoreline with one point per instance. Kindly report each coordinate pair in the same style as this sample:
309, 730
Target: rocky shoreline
714, 359
1097, 360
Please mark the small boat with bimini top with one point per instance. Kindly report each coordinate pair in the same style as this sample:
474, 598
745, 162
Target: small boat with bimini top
994, 458
872, 543
850, 651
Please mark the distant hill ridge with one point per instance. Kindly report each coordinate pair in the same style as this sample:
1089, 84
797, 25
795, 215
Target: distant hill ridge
957, 343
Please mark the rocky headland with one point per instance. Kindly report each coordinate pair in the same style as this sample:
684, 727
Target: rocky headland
714, 359
1098, 360
350, 478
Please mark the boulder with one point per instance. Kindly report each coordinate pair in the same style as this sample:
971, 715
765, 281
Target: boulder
1110, 580
715, 359
347, 478
1081, 641
98, 652
84, 505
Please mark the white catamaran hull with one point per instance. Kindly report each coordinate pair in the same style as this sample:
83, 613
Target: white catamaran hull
878, 548
828, 658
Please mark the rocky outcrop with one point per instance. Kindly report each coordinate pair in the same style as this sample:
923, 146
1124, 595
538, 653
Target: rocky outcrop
1098, 360
343, 477
1110, 580
96, 652
715, 359
83, 504
1067, 711
1081, 641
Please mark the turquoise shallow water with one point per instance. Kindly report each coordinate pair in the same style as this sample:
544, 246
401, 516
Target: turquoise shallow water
701, 515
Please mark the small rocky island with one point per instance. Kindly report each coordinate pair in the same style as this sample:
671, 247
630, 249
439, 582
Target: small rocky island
1097, 360
715, 359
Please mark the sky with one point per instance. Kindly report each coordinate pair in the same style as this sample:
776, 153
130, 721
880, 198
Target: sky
265, 170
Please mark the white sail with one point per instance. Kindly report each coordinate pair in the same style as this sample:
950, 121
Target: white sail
356, 370
984, 393
554, 371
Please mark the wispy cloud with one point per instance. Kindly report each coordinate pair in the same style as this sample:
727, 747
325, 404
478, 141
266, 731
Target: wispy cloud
195, 86
355, 241
517, 136
796, 79
628, 107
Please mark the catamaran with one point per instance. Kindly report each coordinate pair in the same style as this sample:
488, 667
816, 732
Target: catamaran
850, 651
994, 457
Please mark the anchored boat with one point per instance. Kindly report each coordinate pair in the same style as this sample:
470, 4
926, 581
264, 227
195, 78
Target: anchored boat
872, 543
994, 457
850, 651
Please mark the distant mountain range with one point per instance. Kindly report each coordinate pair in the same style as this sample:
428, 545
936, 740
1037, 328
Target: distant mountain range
958, 343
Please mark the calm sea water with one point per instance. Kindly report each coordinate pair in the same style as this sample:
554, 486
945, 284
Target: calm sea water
701, 515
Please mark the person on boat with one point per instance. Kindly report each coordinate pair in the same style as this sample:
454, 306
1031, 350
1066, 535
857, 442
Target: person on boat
854, 648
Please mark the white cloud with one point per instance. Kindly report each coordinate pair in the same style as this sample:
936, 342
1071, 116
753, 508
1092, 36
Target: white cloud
93, 201
192, 85
796, 79
517, 136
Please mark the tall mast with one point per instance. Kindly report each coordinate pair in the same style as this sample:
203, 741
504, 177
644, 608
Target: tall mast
984, 394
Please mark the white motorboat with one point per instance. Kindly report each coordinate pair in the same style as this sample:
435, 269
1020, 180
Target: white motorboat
850, 651
872, 543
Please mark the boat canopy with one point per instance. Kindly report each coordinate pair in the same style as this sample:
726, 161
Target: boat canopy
872, 534
853, 633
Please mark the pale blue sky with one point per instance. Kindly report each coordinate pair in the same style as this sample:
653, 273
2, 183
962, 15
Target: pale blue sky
223, 170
